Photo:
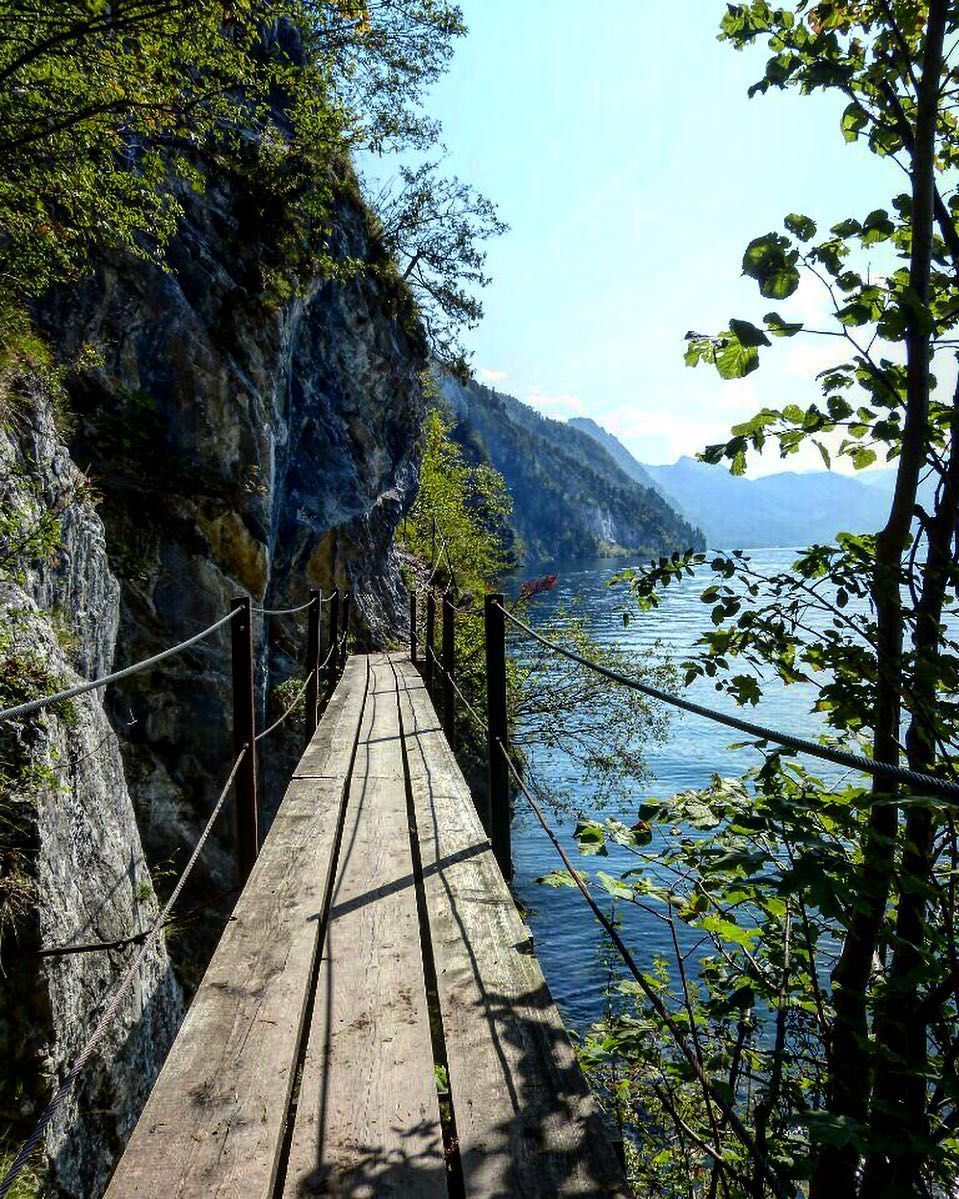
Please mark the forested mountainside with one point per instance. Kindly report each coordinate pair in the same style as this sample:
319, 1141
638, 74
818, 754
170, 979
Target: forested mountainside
616, 450
571, 500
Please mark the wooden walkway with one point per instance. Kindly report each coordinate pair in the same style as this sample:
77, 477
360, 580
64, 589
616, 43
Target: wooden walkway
374, 954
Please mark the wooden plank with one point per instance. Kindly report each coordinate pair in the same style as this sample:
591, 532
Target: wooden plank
378, 752
324, 755
367, 1116
525, 1120
215, 1120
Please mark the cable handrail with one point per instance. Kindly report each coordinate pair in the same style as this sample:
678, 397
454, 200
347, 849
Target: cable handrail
148, 938
650, 993
466, 703
840, 757
34, 705
296, 699
99, 1031
742, 1133
284, 611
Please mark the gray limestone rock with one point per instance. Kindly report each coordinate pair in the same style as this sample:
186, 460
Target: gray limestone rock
73, 868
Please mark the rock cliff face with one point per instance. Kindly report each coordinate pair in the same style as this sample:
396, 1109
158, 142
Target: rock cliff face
72, 869
241, 434
245, 441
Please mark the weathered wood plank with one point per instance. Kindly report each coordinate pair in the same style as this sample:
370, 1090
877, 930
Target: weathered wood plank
525, 1120
367, 1115
214, 1122
324, 754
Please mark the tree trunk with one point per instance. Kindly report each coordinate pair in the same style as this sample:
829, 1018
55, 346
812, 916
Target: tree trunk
836, 1170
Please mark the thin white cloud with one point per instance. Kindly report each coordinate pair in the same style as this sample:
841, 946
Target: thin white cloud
486, 375
561, 406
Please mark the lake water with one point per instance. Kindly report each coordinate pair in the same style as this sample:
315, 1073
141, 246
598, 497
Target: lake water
568, 941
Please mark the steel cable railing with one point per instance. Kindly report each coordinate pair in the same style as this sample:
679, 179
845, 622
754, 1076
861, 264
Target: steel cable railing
654, 999
245, 755
99, 1032
498, 752
34, 705
840, 757
739, 1129
285, 611
296, 699
316, 671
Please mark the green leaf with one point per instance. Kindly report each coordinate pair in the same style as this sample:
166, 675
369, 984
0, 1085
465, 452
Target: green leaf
854, 120
863, 457
700, 349
617, 889
846, 228
591, 838
877, 227
746, 689
855, 314
771, 261
747, 333
735, 361
729, 932
557, 878
779, 327
802, 227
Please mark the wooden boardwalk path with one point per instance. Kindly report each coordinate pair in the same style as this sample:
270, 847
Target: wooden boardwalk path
374, 954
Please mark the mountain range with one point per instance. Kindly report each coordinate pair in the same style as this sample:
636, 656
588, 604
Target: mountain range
785, 509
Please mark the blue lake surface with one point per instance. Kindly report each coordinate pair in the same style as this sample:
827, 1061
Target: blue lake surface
568, 941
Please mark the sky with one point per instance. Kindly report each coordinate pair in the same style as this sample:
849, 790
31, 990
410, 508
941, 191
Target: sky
620, 146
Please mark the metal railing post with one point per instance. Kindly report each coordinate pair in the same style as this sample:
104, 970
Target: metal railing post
244, 732
413, 627
334, 634
449, 655
345, 622
497, 819
312, 663
430, 638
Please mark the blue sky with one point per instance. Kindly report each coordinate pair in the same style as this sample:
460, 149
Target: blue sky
621, 147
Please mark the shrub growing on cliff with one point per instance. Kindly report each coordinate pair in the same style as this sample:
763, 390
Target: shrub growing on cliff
434, 228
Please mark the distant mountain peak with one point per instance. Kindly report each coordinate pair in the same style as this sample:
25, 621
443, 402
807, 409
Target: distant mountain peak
784, 509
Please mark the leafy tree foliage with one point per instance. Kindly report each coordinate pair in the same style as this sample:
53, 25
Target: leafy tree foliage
458, 545
434, 227
826, 1009
107, 110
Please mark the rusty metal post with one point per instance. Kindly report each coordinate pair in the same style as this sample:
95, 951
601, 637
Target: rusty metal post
244, 733
413, 627
430, 637
312, 663
497, 819
345, 622
334, 635
449, 655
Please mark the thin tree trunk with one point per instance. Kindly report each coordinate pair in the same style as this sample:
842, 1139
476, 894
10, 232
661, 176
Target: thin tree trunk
836, 1171
900, 1119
